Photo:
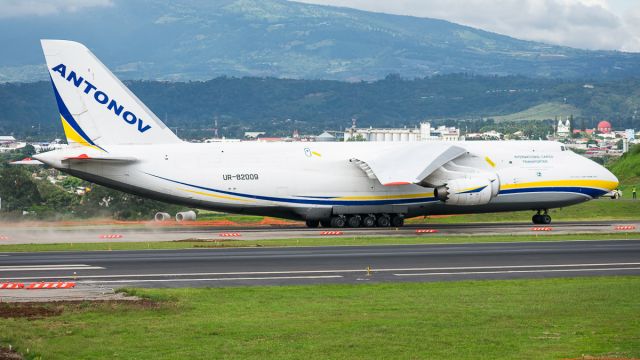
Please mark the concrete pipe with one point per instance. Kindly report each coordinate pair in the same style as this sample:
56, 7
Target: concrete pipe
186, 216
162, 216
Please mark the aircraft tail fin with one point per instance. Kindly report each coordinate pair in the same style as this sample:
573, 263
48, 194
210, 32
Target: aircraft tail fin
96, 109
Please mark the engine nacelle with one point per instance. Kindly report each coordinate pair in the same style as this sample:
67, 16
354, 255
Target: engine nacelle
476, 191
186, 216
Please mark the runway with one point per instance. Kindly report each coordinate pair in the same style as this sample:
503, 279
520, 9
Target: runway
322, 265
151, 232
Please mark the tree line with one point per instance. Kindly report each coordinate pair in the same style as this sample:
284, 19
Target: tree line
280, 106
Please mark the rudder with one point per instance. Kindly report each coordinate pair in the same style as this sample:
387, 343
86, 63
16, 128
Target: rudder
96, 109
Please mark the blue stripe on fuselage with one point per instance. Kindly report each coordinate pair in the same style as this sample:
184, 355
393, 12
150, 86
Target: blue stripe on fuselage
305, 201
579, 190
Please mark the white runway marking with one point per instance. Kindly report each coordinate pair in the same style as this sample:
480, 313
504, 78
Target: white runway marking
49, 267
334, 271
215, 279
516, 271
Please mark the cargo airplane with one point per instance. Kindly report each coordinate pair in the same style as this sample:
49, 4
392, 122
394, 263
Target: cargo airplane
116, 141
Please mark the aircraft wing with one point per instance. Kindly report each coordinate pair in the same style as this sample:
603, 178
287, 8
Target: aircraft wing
407, 165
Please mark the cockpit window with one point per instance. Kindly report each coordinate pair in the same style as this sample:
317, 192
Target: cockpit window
562, 148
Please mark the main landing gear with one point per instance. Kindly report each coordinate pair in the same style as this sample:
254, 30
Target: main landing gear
359, 220
541, 219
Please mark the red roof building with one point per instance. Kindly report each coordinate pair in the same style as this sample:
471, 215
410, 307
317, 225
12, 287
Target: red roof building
604, 127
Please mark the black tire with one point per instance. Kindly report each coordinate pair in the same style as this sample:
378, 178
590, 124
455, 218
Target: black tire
536, 219
338, 221
313, 223
354, 221
369, 221
384, 221
397, 221
545, 219
325, 223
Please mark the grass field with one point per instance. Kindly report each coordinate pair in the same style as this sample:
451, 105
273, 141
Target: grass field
523, 319
549, 110
326, 241
595, 210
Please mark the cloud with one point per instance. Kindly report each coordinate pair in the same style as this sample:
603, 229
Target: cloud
588, 24
24, 8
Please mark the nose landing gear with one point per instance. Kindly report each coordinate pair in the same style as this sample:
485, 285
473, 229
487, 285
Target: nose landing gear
541, 219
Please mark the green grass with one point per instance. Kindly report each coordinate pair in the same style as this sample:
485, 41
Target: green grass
523, 319
544, 111
323, 241
627, 168
595, 210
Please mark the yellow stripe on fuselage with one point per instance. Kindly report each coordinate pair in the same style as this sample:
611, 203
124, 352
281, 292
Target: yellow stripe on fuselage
216, 195
600, 184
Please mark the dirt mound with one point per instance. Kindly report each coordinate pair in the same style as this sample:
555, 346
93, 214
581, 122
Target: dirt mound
29, 310
6, 354
35, 310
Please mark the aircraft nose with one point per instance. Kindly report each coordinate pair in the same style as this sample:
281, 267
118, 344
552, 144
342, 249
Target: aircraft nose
605, 178
611, 181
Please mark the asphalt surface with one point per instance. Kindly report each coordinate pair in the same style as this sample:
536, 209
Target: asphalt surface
152, 232
319, 265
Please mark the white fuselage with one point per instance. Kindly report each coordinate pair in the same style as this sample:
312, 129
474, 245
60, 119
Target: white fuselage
315, 180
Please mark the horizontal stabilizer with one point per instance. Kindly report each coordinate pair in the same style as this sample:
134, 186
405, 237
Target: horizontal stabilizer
26, 161
408, 164
101, 158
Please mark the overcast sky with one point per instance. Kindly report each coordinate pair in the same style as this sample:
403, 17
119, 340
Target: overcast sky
588, 24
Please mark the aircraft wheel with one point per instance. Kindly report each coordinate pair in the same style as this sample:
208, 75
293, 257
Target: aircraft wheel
397, 221
536, 219
354, 221
338, 221
384, 221
325, 223
313, 223
545, 219
369, 221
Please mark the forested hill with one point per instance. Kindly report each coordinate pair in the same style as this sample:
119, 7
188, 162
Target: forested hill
200, 40
279, 106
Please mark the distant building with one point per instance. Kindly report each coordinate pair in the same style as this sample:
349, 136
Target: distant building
424, 133
604, 127
564, 129
325, 137
253, 134
487, 135
630, 134
270, 139
4, 140
8, 143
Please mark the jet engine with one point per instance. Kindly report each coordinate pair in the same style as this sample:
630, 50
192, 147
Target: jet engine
474, 191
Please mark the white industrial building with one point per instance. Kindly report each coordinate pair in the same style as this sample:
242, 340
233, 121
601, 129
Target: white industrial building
9, 143
424, 133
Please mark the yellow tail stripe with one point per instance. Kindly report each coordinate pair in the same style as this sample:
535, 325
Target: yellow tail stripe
73, 136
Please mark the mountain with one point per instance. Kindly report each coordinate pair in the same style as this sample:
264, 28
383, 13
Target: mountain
280, 106
201, 39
